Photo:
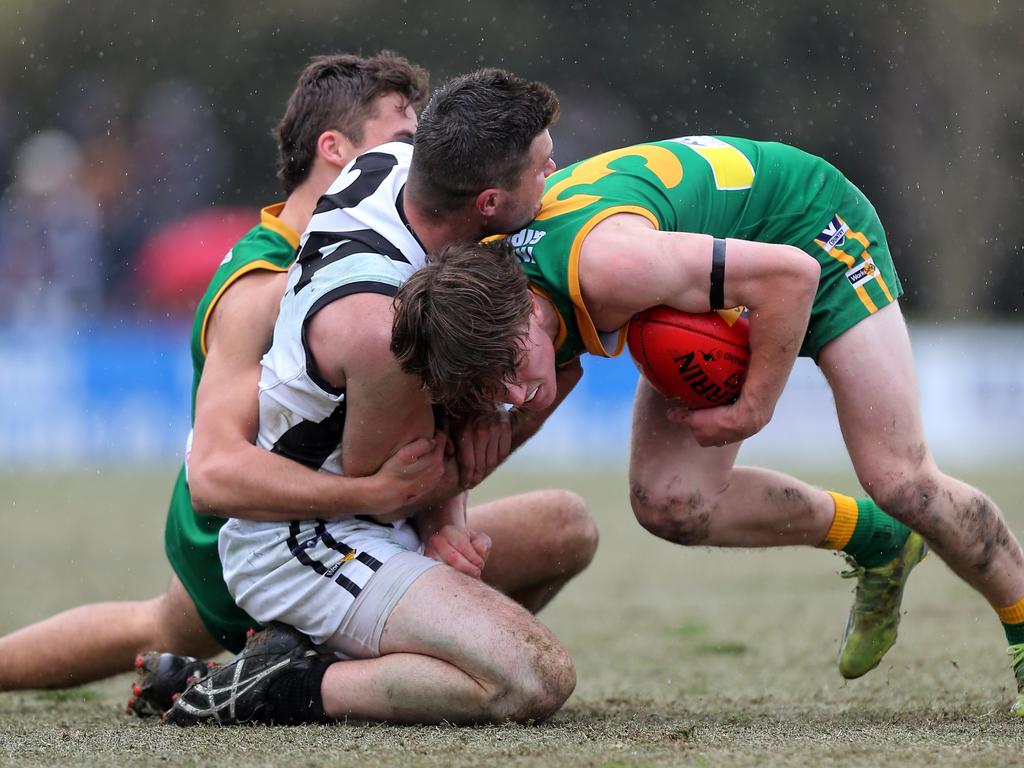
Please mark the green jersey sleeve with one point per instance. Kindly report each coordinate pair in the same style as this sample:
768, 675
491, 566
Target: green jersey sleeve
270, 245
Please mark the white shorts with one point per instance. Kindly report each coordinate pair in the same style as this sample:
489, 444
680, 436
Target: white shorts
335, 581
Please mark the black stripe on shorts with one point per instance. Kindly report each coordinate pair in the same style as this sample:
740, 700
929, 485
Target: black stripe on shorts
345, 551
369, 561
299, 552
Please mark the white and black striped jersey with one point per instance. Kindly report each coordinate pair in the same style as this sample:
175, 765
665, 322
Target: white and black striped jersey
357, 241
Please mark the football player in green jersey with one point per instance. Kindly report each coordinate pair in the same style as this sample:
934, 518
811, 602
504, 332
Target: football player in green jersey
702, 223
342, 105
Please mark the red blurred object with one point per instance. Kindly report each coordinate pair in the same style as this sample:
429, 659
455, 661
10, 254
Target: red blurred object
176, 262
699, 359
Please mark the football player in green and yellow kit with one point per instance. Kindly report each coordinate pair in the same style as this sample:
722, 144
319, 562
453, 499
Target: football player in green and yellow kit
702, 223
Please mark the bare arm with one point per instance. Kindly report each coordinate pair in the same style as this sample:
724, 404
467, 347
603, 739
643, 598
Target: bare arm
229, 475
351, 342
385, 408
627, 266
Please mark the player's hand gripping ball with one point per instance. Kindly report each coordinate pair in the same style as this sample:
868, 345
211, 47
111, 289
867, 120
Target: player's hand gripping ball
699, 359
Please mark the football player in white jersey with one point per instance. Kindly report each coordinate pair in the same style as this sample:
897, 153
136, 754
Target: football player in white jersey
423, 642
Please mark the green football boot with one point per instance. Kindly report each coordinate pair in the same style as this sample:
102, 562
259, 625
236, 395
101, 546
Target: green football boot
1017, 662
875, 615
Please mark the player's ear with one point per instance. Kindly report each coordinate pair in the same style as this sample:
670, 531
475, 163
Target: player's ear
488, 202
535, 306
335, 147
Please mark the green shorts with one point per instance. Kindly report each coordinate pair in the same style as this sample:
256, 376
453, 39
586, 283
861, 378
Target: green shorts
190, 540
857, 274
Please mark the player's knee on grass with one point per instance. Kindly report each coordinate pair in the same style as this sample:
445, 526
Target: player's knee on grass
570, 520
519, 670
529, 678
681, 515
536, 688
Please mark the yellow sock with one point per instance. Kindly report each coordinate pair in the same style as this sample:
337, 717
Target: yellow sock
1011, 614
1012, 617
843, 523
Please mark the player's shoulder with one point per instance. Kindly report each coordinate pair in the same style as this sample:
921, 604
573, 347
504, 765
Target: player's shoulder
364, 314
255, 289
354, 330
270, 244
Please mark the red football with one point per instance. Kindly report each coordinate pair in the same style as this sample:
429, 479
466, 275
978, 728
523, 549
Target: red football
700, 359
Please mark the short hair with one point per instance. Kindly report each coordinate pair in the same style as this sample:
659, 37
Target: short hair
339, 92
460, 323
475, 133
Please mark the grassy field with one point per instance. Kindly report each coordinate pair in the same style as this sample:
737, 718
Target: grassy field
684, 657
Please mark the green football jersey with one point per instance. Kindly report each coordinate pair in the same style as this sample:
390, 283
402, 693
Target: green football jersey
190, 539
715, 185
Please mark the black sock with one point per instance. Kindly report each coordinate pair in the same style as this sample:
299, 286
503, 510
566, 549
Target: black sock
294, 698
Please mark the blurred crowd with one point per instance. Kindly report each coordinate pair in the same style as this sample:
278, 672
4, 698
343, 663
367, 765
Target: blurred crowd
81, 199
106, 214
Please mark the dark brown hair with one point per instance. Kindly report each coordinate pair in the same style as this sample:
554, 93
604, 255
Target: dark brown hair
460, 323
475, 133
339, 92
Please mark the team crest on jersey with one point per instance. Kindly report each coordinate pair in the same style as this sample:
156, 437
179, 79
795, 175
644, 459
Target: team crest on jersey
862, 273
704, 142
834, 235
523, 242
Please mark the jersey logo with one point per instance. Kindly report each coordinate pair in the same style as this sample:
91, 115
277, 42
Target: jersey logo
730, 167
834, 235
523, 242
334, 568
227, 258
862, 273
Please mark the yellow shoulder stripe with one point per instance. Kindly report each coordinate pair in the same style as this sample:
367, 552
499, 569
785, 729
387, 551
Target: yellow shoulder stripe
591, 337
250, 267
268, 219
562, 331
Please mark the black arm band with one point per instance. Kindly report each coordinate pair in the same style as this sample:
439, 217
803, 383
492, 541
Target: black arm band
717, 293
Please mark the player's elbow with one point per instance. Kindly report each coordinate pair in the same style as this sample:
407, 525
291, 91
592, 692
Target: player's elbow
804, 271
202, 484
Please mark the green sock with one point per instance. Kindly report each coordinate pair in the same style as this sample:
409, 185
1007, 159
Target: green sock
1014, 633
877, 538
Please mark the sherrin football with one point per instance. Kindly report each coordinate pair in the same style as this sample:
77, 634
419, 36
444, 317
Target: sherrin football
699, 359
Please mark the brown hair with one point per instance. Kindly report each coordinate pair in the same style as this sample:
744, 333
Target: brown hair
339, 92
460, 323
475, 133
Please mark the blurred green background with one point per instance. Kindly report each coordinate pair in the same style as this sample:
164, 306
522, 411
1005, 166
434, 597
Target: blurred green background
919, 103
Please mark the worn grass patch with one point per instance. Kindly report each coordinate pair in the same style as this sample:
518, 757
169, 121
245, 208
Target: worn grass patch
684, 657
